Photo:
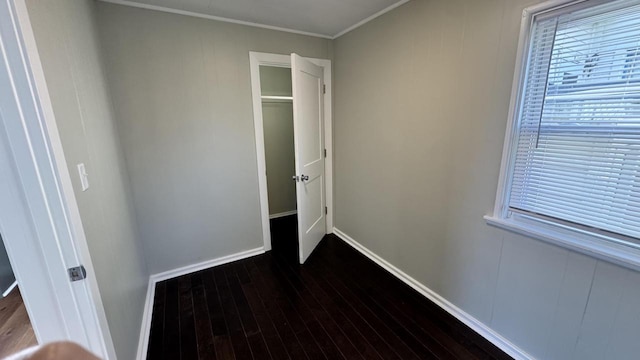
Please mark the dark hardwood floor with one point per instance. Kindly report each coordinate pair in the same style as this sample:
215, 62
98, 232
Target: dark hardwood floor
16, 332
339, 305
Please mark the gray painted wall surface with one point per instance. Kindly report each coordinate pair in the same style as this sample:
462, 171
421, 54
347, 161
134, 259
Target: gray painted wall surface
67, 41
182, 93
279, 152
275, 81
421, 104
277, 117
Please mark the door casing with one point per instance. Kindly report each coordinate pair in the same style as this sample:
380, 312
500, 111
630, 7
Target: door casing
257, 59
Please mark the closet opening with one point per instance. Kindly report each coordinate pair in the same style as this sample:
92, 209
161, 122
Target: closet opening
277, 118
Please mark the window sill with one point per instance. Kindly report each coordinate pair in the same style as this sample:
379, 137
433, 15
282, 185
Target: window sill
591, 245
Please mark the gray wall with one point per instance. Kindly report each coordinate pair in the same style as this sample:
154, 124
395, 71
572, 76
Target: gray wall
277, 117
279, 152
275, 81
421, 103
67, 41
182, 94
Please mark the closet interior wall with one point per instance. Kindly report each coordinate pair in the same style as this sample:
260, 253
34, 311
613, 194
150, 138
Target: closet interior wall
277, 117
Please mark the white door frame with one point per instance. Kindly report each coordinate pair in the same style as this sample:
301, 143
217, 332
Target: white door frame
39, 215
257, 59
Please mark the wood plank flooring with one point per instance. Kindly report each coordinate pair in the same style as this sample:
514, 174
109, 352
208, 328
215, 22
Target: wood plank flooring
339, 305
16, 332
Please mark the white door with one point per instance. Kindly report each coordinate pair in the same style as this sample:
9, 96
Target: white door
308, 125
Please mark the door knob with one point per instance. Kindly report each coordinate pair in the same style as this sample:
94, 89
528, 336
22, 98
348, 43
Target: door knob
295, 178
304, 177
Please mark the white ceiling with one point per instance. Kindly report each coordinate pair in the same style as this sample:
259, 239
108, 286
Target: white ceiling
326, 18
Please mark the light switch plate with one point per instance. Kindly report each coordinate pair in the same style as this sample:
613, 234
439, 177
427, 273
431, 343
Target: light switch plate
84, 177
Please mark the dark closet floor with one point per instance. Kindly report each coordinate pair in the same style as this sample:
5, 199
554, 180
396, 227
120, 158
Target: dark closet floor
339, 305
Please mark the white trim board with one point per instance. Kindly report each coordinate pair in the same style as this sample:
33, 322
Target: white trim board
370, 18
283, 214
188, 269
475, 324
11, 287
213, 17
253, 24
145, 328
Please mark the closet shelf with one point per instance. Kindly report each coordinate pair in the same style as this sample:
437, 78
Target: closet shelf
276, 98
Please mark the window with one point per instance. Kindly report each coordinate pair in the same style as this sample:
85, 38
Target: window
572, 157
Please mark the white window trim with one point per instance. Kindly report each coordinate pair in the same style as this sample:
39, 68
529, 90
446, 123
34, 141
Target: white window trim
593, 244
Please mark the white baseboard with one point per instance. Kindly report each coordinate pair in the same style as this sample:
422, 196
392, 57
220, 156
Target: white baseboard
206, 264
145, 328
9, 289
283, 214
143, 342
475, 324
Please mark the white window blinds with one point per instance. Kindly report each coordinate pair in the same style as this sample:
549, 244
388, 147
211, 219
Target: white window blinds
578, 144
